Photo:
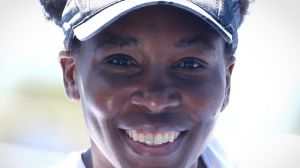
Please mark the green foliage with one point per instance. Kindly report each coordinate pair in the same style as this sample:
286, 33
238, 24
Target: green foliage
40, 115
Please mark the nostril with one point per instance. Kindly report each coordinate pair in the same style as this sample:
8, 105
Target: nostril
152, 104
155, 102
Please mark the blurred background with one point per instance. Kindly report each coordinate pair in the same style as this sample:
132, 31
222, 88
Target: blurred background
39, 126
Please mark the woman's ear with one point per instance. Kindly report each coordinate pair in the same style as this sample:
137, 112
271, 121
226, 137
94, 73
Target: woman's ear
67, 63
229, 68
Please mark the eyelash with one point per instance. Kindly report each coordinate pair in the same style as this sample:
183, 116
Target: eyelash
125, 61
122, 60
190, 64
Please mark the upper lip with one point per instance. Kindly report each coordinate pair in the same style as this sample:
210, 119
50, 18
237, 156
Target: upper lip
153, 127
165, 121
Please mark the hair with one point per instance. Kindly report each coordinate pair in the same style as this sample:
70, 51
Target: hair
53, 10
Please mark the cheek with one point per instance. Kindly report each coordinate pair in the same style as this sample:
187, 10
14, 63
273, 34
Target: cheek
105, 96
102, 101
204, 98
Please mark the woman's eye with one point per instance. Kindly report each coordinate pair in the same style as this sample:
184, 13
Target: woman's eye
122, 60
189, 64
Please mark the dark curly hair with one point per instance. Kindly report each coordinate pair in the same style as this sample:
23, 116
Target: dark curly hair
53, 10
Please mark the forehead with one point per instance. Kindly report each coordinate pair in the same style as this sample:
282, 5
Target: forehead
156, 26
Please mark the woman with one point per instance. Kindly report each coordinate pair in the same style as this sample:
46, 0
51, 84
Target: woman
152, 77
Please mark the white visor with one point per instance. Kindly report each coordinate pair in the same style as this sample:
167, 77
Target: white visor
108, 15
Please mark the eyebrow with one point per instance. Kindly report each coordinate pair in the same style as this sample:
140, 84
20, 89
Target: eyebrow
115, 40
195, 41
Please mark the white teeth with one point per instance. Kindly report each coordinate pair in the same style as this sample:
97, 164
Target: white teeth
149, 139
153, 139
171, 136
141, 138
158, 139
166, 138
130, 133
134, 135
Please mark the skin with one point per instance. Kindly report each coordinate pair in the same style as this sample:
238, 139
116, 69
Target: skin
157, 68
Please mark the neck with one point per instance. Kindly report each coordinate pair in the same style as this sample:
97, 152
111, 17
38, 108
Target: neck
93, 158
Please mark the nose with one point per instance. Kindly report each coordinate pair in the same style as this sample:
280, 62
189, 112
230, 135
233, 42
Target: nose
157, 90
156, 99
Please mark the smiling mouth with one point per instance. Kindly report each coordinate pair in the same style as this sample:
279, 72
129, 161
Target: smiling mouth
154, 143
151, 138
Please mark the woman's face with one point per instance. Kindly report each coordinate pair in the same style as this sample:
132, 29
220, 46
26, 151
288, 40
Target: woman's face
152, 85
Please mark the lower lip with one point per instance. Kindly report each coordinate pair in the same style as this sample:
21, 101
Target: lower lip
146, 150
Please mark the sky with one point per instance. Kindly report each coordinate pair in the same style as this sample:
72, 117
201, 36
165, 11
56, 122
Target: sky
265, 94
